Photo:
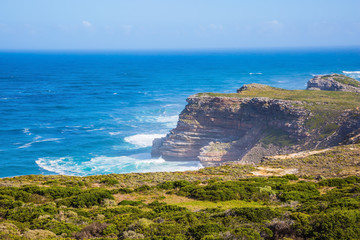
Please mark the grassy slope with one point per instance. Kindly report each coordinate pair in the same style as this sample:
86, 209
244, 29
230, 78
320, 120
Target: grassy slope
335, 100
338, 161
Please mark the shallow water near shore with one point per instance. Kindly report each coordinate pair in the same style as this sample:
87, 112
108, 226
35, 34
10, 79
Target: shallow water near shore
97, 113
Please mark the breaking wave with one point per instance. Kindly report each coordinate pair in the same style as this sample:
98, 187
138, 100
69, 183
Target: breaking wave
143, 140
353, 74
106, 165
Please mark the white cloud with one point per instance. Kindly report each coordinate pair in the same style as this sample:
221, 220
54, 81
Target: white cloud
87, 24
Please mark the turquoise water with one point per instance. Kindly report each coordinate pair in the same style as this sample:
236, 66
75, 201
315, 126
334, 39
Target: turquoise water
97, 113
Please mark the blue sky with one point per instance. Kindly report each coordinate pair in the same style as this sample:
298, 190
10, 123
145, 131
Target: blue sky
177, 24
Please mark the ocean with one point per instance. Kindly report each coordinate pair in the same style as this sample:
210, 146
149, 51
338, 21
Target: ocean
86, 113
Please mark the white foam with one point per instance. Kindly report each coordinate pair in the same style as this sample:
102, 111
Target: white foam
37, 141
167, 119
143, 140
258, 73
27, 131
107, 165
96, 129
115, 133
351, 72
37, 137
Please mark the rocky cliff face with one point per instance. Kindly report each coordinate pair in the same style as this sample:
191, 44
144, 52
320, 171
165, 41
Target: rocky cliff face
334, 82
215, 128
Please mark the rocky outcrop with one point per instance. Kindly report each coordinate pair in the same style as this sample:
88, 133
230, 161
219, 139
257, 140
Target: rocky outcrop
334, 82
216, 128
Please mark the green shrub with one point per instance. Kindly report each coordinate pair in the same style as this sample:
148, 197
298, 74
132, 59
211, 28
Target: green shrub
247, 234
131, 203
167, 185
255, 214
300, 191
200, 231
336, 225
333, 182
291, 177
122, 190
25, 214
57, 227
90, 198
169, 208
110, 181
143, 188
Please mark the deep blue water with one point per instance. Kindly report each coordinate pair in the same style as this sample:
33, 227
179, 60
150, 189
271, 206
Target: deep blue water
97, 113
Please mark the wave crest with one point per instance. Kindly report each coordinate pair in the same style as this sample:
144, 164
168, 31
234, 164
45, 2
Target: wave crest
107, 165
353, 74
143, 140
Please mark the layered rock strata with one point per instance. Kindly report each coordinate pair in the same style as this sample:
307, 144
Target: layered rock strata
215, 128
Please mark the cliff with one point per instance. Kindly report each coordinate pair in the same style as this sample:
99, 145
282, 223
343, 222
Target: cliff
334, 82
259, 121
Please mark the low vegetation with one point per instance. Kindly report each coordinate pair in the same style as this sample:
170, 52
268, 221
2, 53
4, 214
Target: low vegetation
338, 161
225, 202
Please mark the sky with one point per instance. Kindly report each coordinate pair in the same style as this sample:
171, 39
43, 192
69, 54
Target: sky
177, 24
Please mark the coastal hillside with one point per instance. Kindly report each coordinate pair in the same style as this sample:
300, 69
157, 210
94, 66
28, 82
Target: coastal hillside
309, 195
260, 121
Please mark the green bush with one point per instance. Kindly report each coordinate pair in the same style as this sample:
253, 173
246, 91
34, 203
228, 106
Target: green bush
333, 182
122, 190
247, 234
336, 225
255, 214
90, 198
131, 203
301, 191
200, 231
291, 177
57, 227
110, 181
143, 188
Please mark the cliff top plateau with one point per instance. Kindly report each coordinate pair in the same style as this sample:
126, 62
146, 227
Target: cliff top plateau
260, 120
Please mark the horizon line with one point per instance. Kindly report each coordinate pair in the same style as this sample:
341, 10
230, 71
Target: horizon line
73, 50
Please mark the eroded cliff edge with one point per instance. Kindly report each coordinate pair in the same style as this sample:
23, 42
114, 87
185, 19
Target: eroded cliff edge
260, 121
